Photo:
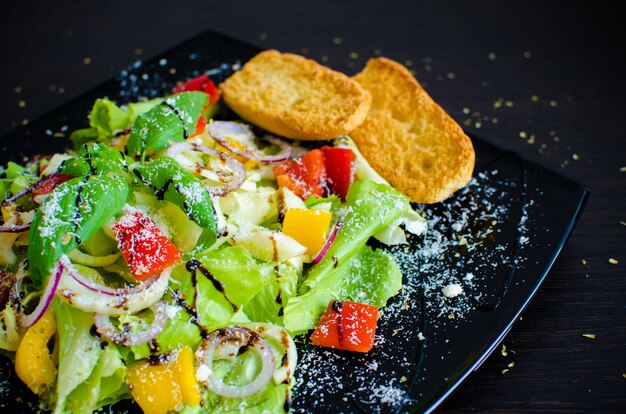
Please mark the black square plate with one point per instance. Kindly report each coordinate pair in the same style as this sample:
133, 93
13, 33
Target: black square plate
496, 240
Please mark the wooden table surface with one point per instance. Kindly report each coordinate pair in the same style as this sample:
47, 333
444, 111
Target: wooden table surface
545, 79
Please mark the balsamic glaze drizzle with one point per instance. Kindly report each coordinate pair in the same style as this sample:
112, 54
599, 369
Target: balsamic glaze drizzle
180, 117
193, 266
78, 202
337, 307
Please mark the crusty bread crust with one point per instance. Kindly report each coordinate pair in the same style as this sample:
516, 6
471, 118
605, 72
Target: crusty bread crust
409, 139
295, 97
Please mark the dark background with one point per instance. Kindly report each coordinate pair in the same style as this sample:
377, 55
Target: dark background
545, 79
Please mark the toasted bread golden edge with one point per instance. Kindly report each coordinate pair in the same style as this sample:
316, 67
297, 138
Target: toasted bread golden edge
465, 157
284, 124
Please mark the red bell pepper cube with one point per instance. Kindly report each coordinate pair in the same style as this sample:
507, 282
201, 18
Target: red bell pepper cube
349, 326
200, 83
304, 176
49, 183
200, 126
146, 249
340, 169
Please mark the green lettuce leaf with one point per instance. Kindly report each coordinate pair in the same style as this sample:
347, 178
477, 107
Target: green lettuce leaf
16, 179
105, 385
370, 277
268, 305
370, 208
79, 351
178, 332
13, 170
137, 108
244, 367
173, 120
83, 136
272, 399
107, 118
232, 267
304, 312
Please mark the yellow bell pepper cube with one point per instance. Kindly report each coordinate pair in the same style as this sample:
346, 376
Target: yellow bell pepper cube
161, 388
33, 363
307, 227
187, 376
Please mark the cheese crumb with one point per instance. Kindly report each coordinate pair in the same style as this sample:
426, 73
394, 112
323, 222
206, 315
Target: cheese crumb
202, 373
452, 290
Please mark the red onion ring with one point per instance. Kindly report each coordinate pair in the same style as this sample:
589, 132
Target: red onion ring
14, 228
89, 298
244, 336
329, 241
231, 182
27, 321
56, 178
124, 337
19, 194
220, 131
107, 290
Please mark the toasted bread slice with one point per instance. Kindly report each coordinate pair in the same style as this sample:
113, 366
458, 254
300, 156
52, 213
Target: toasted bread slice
296, 97
409, 139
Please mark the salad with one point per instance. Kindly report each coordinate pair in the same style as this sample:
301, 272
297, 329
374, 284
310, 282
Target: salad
171, 258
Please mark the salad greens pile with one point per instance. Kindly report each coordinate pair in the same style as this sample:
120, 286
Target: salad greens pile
91, 321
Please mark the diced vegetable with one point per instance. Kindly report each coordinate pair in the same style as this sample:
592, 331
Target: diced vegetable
319, 172
164, 387
340, 169
200, 83
46, 185
186, 371
305, 176
200, 127
146, 249
33, 363
349, 326
307, 227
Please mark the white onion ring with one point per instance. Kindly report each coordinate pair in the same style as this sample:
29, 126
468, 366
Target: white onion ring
283, 372
230, 182
110, 332
333, 233
220, 131
244, 336
90, 299
27, 321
